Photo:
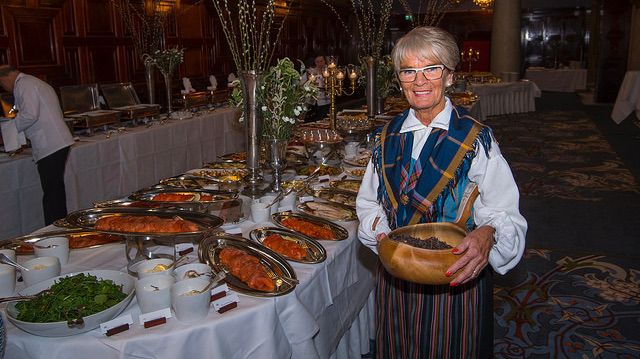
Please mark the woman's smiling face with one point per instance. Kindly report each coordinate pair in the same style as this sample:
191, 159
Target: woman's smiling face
426, 97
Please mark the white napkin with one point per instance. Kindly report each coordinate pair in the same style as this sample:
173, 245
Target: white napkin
214, 83
187, 86
10, 137
230, 79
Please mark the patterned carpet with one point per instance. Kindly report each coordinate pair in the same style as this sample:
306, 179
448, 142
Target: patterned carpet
564, 303
561, 154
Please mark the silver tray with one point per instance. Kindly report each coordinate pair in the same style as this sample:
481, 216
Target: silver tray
334, 195
225, 165
86, 219
187, 182
345, 185
75, 241
211, 246
340, 232
350, 213
315, 251
217, 196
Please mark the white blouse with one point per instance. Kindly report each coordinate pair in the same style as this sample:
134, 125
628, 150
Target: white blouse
496, 206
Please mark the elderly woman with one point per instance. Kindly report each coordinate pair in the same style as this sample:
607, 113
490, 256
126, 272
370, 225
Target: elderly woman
422, 163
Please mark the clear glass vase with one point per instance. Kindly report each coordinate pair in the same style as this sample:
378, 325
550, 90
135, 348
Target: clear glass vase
250, 80
371, 91
167, 84
150, 79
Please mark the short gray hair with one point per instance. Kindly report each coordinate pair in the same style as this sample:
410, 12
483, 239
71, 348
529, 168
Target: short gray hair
6, 70
427, 42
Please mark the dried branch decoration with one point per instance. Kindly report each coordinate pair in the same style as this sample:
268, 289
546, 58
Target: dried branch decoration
249, 33
371, 25
434, 11
146, 21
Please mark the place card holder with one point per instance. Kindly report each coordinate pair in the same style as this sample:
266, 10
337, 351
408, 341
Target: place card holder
304, 199
186, 249
219, 292
152, 319
324, 179
117, 325
226, 303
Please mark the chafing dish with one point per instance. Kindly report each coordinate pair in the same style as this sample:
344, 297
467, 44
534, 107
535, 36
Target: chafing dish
81, 108
193, 100
123, 97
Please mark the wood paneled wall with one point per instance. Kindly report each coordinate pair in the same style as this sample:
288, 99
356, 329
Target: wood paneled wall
68, 42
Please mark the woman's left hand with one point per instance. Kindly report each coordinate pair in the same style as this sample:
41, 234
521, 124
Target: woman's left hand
474, 255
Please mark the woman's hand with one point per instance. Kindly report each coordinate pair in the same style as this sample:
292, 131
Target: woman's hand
474, 255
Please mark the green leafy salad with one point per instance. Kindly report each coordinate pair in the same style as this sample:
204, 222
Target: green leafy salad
69, 298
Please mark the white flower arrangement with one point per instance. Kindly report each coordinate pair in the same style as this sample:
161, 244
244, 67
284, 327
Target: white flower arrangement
283, 97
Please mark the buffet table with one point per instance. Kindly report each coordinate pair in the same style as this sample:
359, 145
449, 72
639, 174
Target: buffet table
505, 97
628, 99
101, 168
329, 314
558, 80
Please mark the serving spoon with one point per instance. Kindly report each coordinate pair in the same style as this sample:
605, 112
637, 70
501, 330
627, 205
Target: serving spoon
6, 260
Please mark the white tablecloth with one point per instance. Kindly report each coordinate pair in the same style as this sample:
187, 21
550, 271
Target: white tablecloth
506, 97
628, 99
101, 168
558, 80
328, 315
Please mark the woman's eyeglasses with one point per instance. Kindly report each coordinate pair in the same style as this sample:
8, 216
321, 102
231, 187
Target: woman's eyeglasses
433, 72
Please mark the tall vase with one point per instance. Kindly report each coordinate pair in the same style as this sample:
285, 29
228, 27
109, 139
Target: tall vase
371, 91
276, 157
167, 84
249, 80
149, 76
380, 105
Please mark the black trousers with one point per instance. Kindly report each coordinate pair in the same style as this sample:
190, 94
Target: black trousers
51, 171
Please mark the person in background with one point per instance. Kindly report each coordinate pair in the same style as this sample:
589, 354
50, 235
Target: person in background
320, 108
40, 118
423, 162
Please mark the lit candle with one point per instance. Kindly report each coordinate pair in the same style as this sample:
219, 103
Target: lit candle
353, 74
312, 78
340, 75
325, 72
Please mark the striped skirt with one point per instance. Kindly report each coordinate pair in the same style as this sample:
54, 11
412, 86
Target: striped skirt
423, 321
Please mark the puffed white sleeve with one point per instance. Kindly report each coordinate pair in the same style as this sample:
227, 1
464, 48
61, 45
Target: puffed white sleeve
498, 207
373, 219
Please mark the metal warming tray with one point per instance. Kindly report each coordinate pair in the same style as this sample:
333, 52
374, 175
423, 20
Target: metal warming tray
123, 97
194, 100
81, 107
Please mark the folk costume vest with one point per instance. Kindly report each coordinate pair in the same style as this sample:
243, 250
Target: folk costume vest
427, 189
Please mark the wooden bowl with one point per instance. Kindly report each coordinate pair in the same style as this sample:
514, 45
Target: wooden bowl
418, 265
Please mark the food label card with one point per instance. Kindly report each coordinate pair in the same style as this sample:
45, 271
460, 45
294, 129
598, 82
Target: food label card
117, 325
154, 318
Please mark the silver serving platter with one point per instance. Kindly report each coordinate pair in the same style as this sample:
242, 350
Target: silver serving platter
217, 196
187, 182
211, 246
339, 232
349, 212
225, 165
346, 185
315, 251
87, 218
27, 241
336, 195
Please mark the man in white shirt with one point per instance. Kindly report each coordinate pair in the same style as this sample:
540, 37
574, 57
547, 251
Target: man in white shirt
40, 118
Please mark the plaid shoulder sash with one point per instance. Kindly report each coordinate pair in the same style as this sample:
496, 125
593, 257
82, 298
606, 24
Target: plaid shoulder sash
408, 189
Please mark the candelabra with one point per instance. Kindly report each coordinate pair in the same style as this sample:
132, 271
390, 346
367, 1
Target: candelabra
470, 56
333, 77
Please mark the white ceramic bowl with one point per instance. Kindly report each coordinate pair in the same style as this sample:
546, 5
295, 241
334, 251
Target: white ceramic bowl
149, 267
204, 271
61, 329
